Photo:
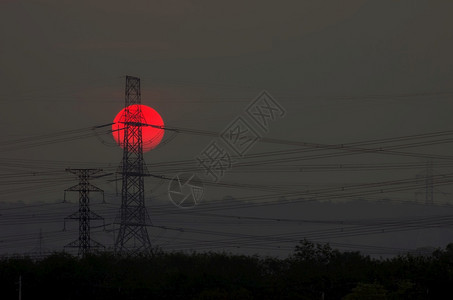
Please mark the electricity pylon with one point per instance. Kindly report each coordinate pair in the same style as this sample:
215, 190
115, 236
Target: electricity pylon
133, 236
427, 180
429, 184
84, 243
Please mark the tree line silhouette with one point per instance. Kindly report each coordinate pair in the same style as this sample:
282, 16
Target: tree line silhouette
312, 271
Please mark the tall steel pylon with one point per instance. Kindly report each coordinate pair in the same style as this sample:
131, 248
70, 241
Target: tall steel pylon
133, 236
84, 243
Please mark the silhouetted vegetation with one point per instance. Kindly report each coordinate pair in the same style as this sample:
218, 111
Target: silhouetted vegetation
313, 271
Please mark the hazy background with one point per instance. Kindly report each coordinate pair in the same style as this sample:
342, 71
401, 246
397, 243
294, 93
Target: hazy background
346, 71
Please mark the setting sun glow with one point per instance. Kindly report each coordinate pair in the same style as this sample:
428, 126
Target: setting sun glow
151, 135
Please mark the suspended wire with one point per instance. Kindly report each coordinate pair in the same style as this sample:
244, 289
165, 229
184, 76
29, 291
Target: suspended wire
346, 191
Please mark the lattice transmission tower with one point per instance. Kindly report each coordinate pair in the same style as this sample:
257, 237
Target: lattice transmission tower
133, 236
84, 243
429, 183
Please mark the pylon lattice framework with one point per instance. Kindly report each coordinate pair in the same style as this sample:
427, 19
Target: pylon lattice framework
133, 236
84, 243
429, 184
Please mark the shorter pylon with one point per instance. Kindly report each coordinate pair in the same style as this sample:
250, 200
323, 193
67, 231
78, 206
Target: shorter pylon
84, 243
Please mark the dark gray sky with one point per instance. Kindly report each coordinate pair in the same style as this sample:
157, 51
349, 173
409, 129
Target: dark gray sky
345, 71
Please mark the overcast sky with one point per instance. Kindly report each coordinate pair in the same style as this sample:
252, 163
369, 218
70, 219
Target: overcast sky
345, 71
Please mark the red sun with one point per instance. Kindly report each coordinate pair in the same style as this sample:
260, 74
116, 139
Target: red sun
151, 135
